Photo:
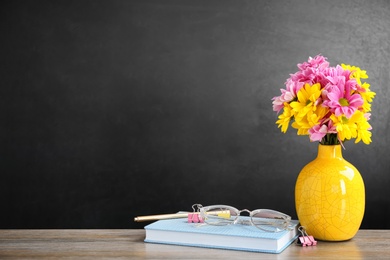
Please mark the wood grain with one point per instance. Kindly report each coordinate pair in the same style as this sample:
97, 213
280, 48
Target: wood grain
128, 244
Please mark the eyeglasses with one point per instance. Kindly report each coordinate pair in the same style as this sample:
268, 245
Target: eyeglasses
264, 219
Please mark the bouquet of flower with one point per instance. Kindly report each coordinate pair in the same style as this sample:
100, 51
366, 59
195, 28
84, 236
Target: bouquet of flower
330, 104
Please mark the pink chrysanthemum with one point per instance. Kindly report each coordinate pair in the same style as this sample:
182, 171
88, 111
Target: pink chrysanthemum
288, 94
318, 132
340, 101
318, 62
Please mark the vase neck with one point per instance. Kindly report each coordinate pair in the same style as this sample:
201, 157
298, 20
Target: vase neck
329, 151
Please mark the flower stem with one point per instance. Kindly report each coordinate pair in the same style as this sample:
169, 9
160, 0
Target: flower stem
330, 139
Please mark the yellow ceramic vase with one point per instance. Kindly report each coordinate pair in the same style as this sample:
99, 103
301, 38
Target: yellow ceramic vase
330, 196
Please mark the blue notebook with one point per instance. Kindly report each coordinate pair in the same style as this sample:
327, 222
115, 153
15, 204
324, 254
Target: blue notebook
234, 237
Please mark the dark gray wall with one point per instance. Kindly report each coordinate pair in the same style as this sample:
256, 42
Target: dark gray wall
112, 109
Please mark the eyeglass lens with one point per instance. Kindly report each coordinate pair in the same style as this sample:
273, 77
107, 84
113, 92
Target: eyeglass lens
269, 220
266, 220
220, 215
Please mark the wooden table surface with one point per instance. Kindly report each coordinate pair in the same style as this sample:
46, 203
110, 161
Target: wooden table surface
128, 244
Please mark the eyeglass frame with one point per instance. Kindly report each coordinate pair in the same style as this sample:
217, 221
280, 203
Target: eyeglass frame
286, 219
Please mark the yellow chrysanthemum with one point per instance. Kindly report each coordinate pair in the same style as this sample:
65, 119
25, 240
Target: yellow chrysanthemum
357, 73
311, 119
285, 117
346, 127
307, 100
367, 96
307, 112
354, 127
363, 130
